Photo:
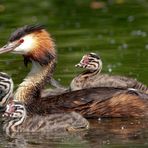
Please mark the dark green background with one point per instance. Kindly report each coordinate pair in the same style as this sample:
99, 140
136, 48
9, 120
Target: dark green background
117, 30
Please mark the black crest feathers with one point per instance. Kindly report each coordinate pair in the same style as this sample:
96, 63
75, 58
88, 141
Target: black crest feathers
20, 32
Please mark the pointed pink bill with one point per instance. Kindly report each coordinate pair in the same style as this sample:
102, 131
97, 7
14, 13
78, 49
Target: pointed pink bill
9, 47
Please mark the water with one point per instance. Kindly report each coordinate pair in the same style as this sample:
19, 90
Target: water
116, 29
103, 133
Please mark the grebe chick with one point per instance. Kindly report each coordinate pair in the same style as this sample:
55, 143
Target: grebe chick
6, 88
17, 120
37, 47
91, 77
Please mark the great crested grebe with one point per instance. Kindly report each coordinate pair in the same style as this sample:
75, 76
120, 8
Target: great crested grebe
91, 77
17, 120
6, 89
37, 47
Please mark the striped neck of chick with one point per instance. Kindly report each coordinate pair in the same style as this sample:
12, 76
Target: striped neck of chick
92, 64
16, 114
37, 47
6, 88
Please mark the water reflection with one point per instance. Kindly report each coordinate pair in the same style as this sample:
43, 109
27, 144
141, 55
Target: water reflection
41, 140
120, 131
103, 132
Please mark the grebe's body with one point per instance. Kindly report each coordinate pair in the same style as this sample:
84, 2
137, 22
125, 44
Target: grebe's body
37, 47
19, 121
6, 88
91, 77
94, 103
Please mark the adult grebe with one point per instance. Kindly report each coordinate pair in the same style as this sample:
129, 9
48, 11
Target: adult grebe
17, 120
91, 77
6, 89
37, 47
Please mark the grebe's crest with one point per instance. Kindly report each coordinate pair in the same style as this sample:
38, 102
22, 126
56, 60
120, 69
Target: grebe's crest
32, 41
21, 32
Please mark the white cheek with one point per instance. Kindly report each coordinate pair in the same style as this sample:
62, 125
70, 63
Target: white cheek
26, 46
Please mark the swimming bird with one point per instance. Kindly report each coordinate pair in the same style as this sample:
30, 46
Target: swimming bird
37, 47
91, 76
6, 89
17, 121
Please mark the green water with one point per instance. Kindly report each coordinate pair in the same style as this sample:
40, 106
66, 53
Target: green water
116, 29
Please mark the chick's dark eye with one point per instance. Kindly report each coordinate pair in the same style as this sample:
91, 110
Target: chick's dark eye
15, 108
21, 40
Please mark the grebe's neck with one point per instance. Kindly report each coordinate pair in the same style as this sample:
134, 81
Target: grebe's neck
31, 87
37, 47
79, 81
89, 73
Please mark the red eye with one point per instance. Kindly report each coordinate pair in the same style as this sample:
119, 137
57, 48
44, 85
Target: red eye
21, 40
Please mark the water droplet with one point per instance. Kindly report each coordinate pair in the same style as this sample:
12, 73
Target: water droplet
146, 46
139, 33
119, 64
99, 119
124, 46
131, 18
59, 79
144, 34
109, 69
112, 41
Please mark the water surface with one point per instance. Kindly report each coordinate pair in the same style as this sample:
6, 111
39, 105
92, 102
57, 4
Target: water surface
116, 29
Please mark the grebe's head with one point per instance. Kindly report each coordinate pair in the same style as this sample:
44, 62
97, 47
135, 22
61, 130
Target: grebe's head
91, 61
33, 42
15, 110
